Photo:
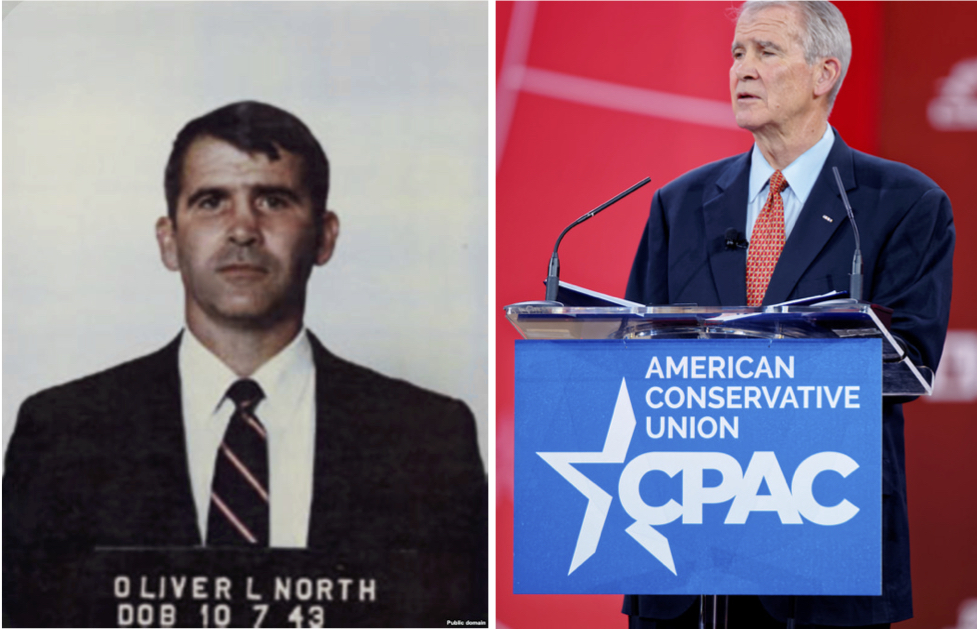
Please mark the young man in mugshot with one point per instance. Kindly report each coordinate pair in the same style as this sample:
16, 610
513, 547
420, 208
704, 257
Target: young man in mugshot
244, 431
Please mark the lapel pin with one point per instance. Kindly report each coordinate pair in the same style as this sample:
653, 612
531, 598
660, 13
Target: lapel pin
827, 218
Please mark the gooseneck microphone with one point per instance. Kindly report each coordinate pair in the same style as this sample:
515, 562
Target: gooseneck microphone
734, 240
553, 274
855, 288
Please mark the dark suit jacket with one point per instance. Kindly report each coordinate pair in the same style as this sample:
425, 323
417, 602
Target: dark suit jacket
907, 239
102, 461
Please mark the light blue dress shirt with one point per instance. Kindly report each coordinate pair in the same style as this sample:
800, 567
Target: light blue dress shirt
800, 175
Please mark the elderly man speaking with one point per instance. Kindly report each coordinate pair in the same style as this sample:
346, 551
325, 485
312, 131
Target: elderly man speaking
788, 62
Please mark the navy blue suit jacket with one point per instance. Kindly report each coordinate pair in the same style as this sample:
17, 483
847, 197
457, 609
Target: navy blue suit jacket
102, 462
907, 238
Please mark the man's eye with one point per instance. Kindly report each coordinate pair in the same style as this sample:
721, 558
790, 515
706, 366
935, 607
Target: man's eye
208, 203
273, 202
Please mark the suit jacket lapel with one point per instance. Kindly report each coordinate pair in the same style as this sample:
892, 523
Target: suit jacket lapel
335, 472
157, 419
812, 231
724, 206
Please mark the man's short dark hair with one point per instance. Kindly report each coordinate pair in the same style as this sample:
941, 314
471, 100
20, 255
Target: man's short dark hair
253, 127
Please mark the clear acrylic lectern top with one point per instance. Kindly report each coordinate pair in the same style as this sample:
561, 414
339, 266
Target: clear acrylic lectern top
840, 319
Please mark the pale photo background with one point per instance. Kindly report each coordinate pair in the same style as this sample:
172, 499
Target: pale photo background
93, 95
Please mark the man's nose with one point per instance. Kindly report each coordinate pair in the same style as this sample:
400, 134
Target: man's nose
244, 223
744, 68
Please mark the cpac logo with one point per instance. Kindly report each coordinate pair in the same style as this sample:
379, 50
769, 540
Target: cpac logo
790, 503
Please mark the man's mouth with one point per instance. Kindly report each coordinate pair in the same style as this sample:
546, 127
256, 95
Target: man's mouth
746, 97
241, 270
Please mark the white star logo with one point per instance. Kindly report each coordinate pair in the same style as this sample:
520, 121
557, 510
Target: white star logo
615, 450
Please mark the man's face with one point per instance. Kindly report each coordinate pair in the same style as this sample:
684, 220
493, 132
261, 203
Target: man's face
244, 238
772, 86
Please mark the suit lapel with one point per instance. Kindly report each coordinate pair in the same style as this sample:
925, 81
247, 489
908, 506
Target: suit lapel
335, 471
812, 231
724, 206
157, 419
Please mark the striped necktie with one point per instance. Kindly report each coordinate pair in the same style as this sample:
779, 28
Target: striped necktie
239, 494
766, 242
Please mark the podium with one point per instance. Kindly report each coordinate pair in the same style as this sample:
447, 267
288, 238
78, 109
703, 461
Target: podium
661, 448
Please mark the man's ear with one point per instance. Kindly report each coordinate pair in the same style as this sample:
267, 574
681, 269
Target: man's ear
327, 240
828, 73
166, 238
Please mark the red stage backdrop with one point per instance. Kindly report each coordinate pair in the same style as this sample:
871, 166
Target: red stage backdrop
593, 97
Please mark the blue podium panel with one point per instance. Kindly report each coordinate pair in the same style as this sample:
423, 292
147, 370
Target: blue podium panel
698, 467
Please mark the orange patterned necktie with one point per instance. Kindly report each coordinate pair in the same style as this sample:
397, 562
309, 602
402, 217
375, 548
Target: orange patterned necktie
766, 243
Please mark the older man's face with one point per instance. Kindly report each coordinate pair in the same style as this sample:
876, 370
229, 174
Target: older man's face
771, 85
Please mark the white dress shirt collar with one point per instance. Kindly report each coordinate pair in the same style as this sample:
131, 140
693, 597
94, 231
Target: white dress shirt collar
206, 379
287, 413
